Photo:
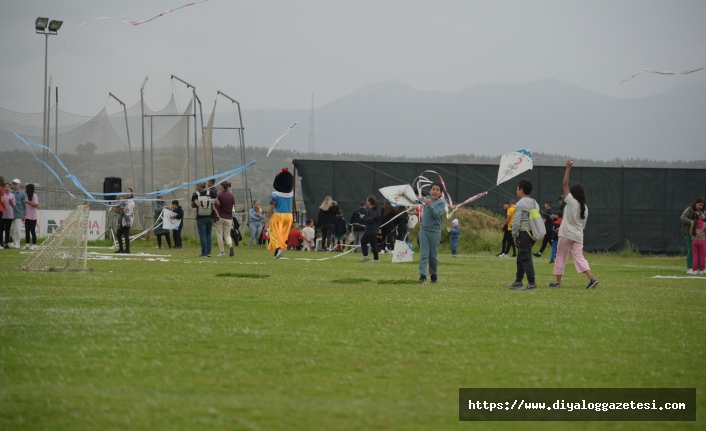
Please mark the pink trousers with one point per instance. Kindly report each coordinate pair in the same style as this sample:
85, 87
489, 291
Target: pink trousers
567, 246
698, 251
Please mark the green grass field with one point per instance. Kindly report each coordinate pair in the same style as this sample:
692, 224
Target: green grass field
293, 345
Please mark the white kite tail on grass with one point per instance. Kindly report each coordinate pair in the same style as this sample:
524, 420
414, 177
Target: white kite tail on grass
278, 140
513, 164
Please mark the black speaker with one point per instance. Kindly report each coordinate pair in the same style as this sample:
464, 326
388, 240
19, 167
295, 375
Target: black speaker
112, 185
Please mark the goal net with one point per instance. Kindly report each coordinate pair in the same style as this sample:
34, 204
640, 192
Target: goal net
65, 248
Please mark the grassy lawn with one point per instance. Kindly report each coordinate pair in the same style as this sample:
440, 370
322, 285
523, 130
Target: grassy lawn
294, 345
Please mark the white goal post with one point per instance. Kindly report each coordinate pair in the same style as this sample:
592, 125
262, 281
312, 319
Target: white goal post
66, 248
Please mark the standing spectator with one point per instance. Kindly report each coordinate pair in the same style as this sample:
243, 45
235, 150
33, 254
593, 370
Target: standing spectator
257, 216
358, 226
522, 235
372, 227
698, 243
562, 204
326, 220
555, 234
686, 219
201, 201
454, 235
548, 225
339, 231
571, 231
503, 229
388, 228
507, 230
160, 231
224, 207
295, 240
7, 214
32, 202
402, 223
2, 207
309, 235
178, 215
430, 233
18, 212
127, 209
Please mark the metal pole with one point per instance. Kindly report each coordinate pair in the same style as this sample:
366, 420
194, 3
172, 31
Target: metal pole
241, 137
56, 141
46, 143
203, 136
196, 142
151, 153
127, 130
142, 121
44, 103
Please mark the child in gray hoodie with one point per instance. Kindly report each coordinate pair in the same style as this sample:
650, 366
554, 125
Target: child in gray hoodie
522, 236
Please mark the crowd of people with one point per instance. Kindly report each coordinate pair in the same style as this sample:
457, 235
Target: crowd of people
372, 228
17, 208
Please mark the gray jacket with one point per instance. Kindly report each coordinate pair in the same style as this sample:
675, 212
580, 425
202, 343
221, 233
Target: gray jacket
522, 217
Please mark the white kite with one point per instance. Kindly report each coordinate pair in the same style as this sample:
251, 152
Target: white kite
400, 196
275, 143
513, 164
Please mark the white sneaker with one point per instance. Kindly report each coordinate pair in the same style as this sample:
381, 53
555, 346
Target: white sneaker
221, 254
700, 272
375, 261
280, 252
691, 271
34, 247
364, 258
27, 247
504, 255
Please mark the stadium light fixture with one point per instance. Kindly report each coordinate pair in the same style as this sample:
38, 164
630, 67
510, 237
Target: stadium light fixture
40, 24
54, 26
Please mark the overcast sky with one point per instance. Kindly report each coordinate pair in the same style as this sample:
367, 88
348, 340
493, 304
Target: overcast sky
276, 53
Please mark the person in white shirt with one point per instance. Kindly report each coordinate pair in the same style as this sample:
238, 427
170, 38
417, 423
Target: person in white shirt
571, 231
309, 236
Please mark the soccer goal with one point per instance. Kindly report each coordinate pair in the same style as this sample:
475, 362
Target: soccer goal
66, 248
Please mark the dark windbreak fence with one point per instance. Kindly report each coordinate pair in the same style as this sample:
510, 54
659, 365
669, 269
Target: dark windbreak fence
640, 205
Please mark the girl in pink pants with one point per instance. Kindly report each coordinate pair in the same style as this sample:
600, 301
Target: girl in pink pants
698, 242
571, 232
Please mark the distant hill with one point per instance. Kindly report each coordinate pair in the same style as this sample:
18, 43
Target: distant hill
548, 116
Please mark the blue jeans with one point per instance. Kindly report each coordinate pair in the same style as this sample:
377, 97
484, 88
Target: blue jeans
429, 247
555, 245
255, 232
454, 245
205, 227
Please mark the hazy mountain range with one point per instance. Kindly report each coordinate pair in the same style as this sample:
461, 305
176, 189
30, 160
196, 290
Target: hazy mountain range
548, 116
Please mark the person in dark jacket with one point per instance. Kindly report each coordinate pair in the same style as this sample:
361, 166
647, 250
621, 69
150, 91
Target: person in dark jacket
686, 219
340, 227
326, 220
372, 227
388, 230
358, 226
179, 216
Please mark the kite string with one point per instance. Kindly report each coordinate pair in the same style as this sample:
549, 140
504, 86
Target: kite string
473, 182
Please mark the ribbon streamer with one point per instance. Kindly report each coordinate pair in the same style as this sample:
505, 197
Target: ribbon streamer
219, 178
661, 72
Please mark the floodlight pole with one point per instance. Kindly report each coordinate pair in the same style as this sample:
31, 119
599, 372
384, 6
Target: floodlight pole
196, 144
127, 130
142, 122
241, 138
47, 121
203, 134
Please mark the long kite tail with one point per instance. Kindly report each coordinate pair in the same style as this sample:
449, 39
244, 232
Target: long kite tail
662, 72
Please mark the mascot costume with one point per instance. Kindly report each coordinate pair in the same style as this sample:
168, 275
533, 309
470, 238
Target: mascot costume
281, 211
